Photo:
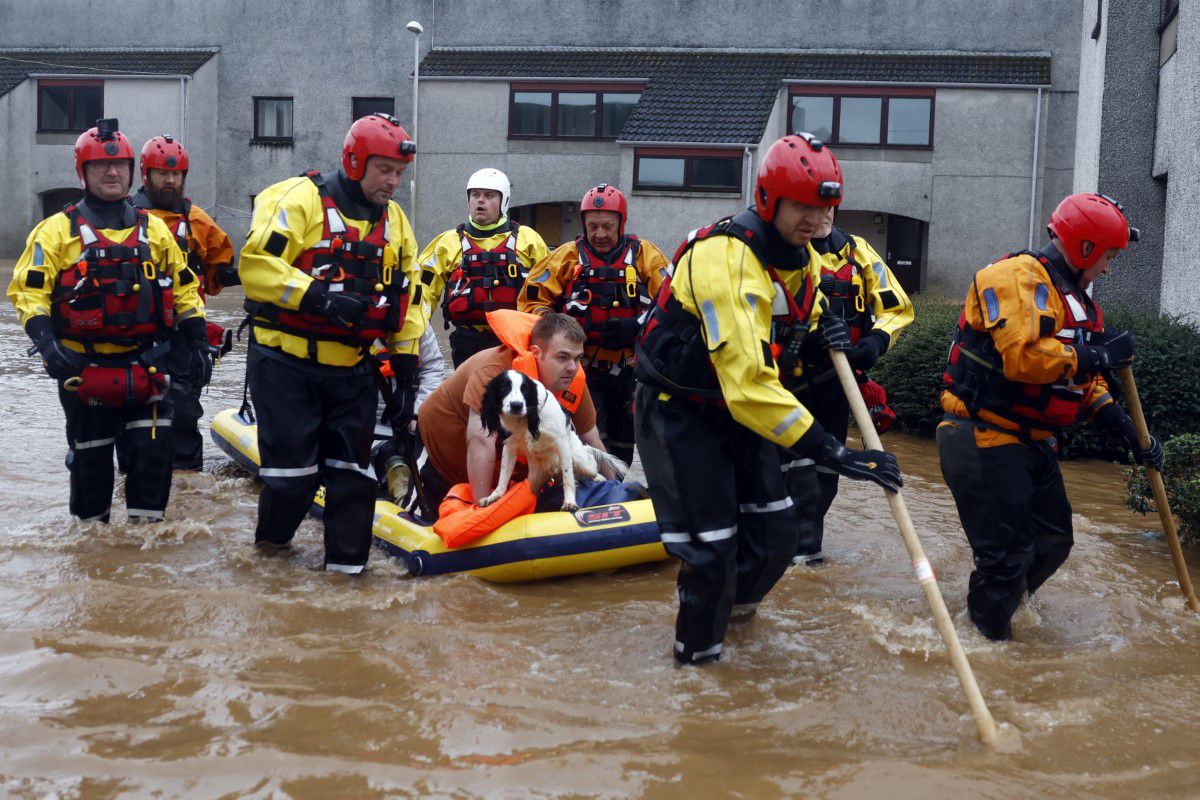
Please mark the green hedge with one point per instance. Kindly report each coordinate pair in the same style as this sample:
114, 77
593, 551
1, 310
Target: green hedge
1167, 371
1181, 476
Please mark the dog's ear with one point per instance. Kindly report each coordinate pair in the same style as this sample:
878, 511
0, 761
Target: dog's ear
529, 391
489, 413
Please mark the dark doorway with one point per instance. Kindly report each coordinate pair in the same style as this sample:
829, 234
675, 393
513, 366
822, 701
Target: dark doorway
905, 250
54, 200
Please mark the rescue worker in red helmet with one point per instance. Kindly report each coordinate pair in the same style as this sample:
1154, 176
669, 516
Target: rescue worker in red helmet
861, 289
328, 268
711, 410
210, 261
1028, 359
479, 265
101, 289
606, 279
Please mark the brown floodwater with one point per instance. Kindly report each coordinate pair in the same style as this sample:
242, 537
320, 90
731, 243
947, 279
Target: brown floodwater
173, 661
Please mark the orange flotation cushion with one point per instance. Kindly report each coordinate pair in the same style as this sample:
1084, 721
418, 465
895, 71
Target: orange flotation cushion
461, 522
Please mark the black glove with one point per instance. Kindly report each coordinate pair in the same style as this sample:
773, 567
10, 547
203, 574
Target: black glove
860, 465
339, 307
406, 371
1112, 417
60, 362
200, 352
868, 350
1112, 349
1119, 344
227, 275
617, 334
833, 333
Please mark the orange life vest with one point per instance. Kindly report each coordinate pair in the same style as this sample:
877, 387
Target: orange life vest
515, 329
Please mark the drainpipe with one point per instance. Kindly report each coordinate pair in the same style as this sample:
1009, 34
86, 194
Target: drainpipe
182, 107
748, 180
1037, 130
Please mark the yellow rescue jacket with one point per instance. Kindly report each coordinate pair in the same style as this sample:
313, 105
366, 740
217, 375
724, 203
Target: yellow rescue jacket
875, 299
52, 248
287, 222
444, 254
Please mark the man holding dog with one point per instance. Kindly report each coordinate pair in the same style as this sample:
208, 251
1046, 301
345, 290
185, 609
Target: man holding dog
548, 349
101, 288
711, 411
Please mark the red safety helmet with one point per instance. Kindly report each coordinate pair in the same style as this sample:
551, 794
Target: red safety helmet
801, 167
375, 135
163, 152
102, 143
605, 198
1087, 224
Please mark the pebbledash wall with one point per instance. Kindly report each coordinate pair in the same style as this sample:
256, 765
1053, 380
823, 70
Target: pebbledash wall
973, 188
1139, 122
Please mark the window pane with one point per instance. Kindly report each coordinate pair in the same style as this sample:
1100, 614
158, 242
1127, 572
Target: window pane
660, 171
89, 106
860, 120
275, 118
908, 120
365, 106
531, 113
55, 108
717, 173
576, 114
813, 114
617, 108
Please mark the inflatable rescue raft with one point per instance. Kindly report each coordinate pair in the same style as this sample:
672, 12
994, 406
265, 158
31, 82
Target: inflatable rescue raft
528, 548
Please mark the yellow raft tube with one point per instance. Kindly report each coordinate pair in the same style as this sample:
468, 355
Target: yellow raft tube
529, 548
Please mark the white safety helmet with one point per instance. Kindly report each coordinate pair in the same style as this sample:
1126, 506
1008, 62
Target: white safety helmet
494, 179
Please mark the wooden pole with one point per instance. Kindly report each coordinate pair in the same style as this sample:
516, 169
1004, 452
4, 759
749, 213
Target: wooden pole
941, 615
1160, 491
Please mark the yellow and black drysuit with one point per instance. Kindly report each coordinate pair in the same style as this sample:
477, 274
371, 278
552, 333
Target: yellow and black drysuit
209, 255
858, 287
480, 268
609, 295
1026, 361
711, 413
326, 273
100, 288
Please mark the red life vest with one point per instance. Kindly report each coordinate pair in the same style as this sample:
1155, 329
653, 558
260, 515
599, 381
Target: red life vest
610, 290
484, 280
672, 354
114, 292
975, 370
843, 285
357, 267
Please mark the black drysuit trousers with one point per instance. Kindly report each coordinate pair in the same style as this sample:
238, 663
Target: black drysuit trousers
721, 504
315, 426
1016, 515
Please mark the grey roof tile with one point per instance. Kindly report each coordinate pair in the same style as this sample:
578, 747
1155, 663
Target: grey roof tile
726, 95
18, 64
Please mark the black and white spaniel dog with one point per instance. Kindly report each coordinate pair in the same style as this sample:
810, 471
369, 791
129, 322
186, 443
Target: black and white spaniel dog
537, 429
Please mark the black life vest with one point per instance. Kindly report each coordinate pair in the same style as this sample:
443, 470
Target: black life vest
484, 280
611, 289
114, 292
356, 267
975, 370
672, 354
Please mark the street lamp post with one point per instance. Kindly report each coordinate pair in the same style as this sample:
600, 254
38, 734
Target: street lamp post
416, 29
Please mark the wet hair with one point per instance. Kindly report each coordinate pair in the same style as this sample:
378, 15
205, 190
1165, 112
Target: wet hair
551, 325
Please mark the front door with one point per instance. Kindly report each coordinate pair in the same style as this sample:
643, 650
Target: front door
905, 237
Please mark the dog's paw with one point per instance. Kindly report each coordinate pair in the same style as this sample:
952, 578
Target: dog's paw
570, 507
487, 501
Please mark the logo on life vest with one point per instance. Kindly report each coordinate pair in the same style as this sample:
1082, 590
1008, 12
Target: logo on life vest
602, 515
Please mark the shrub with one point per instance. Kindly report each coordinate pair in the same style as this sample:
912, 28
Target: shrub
1181, 476
1167, 372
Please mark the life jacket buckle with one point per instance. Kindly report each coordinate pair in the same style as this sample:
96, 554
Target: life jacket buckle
387, 275
149, 270
513, 270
